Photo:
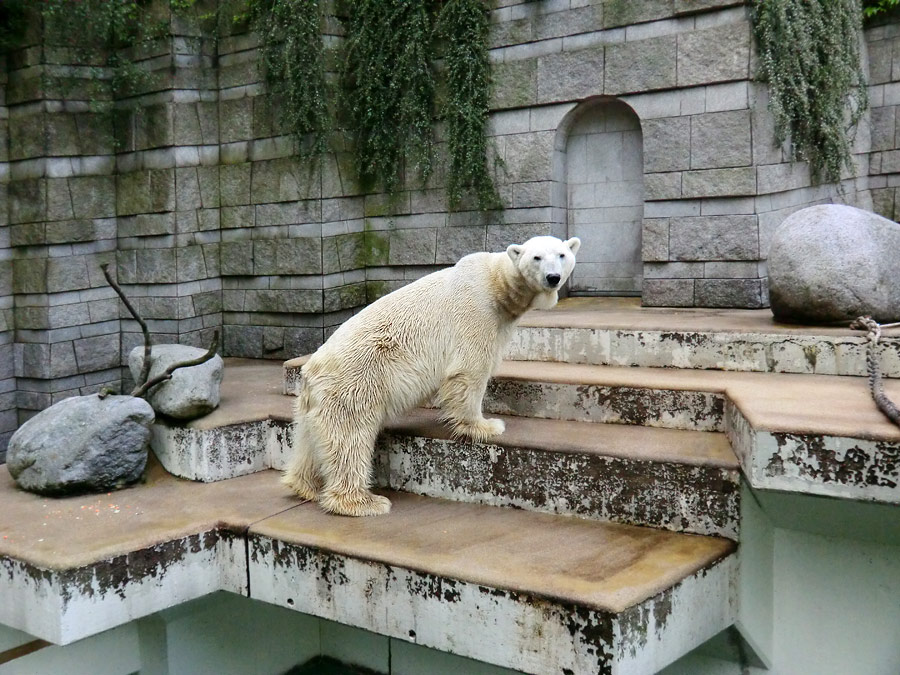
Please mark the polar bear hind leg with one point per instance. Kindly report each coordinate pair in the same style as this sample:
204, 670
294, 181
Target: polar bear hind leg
345, 448
302, 475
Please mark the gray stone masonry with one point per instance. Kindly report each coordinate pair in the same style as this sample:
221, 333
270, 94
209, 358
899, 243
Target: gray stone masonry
192, 190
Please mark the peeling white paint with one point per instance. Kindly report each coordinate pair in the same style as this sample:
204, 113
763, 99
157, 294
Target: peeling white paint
64, 606
734, 351
508, 629
816, 464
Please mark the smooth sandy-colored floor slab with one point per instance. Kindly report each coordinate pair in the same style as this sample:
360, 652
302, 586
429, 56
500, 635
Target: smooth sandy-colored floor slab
803, 404
68, 532
627, 314
601, 565
616, 440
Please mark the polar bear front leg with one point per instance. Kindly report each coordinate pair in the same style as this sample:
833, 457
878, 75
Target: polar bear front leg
461, 397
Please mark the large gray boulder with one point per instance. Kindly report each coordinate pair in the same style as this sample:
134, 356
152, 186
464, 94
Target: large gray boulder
82, 444
192, 392
834, 263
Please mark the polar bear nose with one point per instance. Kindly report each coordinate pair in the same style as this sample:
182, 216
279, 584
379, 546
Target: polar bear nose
552, 280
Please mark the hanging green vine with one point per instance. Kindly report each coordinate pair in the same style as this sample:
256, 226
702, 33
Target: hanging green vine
809, 55
98, 31
389, 89
291, 47
872, 8
464, 25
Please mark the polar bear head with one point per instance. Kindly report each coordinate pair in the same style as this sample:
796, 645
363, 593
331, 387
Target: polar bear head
545, 262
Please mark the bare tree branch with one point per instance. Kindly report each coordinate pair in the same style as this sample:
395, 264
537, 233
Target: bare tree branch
142, 389
145, 367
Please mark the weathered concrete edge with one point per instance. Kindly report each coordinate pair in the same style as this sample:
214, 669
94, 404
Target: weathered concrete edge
516, 630
62, 606
828, 466
757, 450
209, 455
730, 351
667, 495
607, 404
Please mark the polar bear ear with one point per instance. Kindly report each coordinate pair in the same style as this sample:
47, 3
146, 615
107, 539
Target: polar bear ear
515, 251
574, 244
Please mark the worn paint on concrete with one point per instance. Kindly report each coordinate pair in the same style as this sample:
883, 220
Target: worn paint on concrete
219, 453
63, 606
669, 495
507, 628
669, 409
756, 352
818, 464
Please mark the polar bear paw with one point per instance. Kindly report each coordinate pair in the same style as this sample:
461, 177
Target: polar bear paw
356, 503
481, 430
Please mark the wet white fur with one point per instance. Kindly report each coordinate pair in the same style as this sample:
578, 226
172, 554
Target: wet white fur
441, 336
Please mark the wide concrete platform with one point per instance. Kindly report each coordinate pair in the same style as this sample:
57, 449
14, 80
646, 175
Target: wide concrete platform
619, 332
433, 571
683, 480
628, 314
813, 434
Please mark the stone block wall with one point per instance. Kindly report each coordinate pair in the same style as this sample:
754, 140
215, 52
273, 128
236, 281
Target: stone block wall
59, 228
883, 42
190, 187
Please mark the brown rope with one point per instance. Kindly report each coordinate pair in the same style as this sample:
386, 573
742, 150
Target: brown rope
876, 386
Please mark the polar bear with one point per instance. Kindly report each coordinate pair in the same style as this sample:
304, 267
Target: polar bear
441, 337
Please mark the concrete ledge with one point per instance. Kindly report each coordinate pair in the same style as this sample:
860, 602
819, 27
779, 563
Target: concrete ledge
676, 480
817, 434
618, 332
65, 605
444, 574
432, 577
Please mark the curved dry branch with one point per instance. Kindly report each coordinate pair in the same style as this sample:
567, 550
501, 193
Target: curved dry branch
142, 389
145, 368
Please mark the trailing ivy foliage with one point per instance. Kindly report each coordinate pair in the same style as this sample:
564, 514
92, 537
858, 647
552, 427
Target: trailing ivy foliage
100, 32
809, 56
389, 90
107, 26
13, 22
291, 47
873, 8
464, 26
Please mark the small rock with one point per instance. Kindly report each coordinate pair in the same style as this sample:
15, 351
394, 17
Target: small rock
82, 444
192, 392
832, 263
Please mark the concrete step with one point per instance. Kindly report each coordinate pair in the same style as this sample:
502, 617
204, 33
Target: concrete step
679, 480
619, 332
686, 481
799, 433
529, 591
523, 590
813, 434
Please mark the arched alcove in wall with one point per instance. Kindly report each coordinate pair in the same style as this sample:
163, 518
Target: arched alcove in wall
599, 160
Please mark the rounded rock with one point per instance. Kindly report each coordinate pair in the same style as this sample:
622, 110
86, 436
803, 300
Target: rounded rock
192, 392
82, 444
833, 263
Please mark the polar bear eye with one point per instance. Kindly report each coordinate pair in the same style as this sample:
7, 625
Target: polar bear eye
562, 255
537, 257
